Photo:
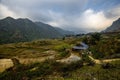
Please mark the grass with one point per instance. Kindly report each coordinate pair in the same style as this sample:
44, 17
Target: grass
34, 70
20, 49
52, 69
34, 49
96, 72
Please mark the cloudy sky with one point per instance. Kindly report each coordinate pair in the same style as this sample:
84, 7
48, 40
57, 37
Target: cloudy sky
74, 15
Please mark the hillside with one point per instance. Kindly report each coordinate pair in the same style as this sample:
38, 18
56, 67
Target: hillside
54, 59
115, 27
19, 30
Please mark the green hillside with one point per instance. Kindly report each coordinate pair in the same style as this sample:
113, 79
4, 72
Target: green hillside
19, 30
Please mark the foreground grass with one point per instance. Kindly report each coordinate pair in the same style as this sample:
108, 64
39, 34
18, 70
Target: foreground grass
51, 70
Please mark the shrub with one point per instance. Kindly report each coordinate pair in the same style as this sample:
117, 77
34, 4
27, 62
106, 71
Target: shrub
106, 65
87, 60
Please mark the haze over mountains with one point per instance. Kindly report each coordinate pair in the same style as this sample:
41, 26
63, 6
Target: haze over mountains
115, 27
17, 30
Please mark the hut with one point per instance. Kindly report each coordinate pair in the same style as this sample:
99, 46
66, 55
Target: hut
79, 47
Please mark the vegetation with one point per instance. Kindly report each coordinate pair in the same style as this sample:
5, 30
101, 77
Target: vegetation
42, 69
49, 68
101, 46
108, 48
34, 49
87, 60
97, 72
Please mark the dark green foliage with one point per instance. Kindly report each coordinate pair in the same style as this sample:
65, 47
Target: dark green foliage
96, 36
97, 54
106, 65
92, 39
97, 72
14, 73
72, 66
106, 48
63, 54
87, 60
63, 50
85, 40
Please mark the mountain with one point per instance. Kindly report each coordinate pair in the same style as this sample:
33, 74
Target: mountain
49, 31
64, 32
18, 30
115, 27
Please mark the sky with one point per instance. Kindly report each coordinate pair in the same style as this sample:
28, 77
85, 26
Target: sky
74, 15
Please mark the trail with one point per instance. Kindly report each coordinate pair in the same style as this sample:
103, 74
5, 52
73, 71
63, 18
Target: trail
7, 63
97, 61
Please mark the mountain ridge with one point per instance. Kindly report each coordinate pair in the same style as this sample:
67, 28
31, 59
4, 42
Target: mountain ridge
115, 27
22, 29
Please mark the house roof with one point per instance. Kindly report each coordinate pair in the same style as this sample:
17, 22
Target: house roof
82, 47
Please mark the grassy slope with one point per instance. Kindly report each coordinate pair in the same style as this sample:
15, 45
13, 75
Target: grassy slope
53, 69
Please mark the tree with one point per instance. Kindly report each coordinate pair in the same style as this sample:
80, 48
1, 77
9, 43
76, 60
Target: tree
96, 36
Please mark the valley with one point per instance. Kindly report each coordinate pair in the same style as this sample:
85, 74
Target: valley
59, 39
59, 59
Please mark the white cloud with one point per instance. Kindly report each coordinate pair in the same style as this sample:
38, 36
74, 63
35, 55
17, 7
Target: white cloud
53, 23
95, 21
57, 19
89, 20
4, 11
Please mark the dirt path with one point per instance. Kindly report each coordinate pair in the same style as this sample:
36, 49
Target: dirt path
97, 61
7, 63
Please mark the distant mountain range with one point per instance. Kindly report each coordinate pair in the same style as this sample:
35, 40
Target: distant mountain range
64, 32
20, 30
115, 27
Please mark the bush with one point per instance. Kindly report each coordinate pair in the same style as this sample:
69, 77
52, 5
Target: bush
96, 36
71, 66
106, 66
87, 60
